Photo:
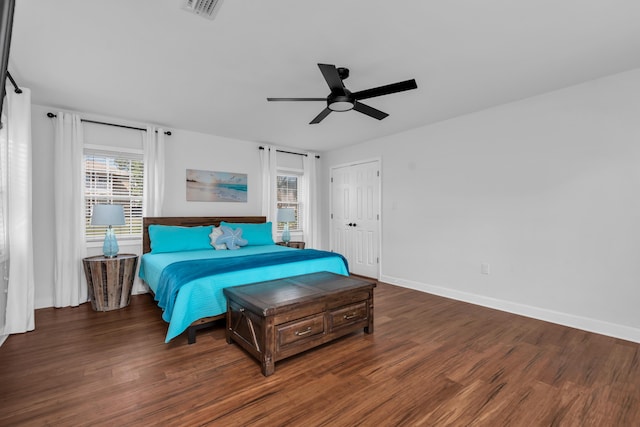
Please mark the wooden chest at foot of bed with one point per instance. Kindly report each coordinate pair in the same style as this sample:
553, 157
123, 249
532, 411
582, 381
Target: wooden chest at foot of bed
280, 318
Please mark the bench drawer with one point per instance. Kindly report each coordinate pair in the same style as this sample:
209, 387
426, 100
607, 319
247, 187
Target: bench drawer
289, 333
348, 315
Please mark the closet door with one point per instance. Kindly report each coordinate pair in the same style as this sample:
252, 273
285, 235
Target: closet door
355, 216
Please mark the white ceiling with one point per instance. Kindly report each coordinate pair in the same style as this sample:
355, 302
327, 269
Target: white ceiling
150, 61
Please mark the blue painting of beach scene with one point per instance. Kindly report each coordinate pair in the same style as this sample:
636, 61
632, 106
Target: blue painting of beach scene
210, 186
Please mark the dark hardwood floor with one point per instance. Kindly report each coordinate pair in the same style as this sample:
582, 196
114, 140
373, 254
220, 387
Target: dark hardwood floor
431, 361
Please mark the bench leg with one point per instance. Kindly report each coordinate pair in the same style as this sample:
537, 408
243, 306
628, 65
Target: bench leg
268, 366
369, 328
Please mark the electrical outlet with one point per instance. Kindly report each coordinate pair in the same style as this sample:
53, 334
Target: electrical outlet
484, 268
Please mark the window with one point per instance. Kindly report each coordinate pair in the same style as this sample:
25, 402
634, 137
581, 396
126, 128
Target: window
289, 192
114, 177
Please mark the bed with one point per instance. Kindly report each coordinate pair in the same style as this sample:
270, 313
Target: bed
186, 275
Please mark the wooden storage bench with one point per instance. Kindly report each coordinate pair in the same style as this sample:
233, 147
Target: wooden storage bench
279, 318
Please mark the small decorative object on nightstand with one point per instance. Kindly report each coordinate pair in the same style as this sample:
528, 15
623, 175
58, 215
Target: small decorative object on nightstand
286, 215
110, 280
297, 245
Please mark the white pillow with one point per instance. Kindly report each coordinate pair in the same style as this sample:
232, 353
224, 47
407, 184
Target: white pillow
215, 233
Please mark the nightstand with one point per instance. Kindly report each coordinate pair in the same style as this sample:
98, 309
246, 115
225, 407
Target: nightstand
297, 245
110, 280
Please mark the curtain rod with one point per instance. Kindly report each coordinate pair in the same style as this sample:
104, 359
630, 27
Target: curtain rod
51, 115
288, 152
13, 82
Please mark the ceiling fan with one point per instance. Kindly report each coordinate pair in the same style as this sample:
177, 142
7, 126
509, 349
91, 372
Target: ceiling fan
342, 99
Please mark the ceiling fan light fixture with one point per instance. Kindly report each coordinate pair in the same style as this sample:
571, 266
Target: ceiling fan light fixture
340, 102
341, 106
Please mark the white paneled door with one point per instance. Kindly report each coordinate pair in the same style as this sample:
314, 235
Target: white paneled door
355, 216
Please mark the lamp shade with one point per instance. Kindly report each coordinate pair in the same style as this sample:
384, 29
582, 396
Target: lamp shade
286, 215
107, 215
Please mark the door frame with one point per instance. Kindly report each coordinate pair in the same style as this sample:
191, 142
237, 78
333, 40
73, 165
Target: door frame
379, 207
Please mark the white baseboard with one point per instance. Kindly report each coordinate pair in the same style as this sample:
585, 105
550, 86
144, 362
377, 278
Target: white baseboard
584, 323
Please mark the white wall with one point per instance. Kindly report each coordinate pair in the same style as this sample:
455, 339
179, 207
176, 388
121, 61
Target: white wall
545, 190
184, 150
191, 150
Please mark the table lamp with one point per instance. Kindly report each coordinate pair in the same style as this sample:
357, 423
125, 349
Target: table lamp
286, 215
108, 215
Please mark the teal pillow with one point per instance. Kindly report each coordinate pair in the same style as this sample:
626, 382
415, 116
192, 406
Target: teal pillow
255, 234
170, 238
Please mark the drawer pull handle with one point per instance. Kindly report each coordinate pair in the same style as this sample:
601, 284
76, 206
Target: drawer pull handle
305, 332
350, 316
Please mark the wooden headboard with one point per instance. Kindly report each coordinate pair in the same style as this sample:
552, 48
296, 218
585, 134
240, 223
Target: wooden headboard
190, 221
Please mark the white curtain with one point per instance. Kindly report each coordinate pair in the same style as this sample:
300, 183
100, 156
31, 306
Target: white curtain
310, 201
269, 176
69, 284
16, 162
153, 172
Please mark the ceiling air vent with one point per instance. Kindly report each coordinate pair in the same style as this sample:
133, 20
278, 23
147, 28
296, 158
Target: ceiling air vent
205, 8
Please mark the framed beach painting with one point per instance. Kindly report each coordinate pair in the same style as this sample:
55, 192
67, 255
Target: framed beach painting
211, 186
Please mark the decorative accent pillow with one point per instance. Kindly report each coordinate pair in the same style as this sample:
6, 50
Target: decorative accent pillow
232, 238
172, 238
256, 234
215, 233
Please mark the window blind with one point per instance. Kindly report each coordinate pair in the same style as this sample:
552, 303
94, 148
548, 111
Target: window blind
114, 177
289, 193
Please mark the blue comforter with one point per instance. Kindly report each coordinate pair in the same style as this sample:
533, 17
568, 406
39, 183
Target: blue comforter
178, 274
202, 296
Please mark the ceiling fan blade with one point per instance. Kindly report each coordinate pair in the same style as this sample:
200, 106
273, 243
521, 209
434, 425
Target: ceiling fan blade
369, 111
330, 73
386, 90
324, 113
296, 99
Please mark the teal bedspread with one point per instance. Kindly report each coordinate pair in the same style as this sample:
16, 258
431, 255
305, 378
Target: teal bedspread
198, 294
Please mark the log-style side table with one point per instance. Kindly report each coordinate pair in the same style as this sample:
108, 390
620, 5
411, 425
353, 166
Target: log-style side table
110, 280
